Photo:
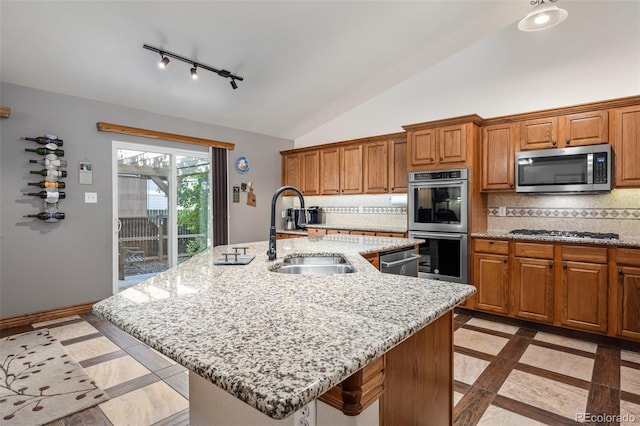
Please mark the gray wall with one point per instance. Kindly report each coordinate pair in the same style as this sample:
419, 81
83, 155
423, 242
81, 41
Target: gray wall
47, 266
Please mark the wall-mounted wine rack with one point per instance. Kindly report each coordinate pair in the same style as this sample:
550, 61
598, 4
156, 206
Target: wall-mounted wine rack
51, 173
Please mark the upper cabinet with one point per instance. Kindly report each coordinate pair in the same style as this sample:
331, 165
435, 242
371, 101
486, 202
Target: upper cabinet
376, 179
441, 144
351, 169
398, 176
626, 144
564, 131
292, 170
498, 156
301, 171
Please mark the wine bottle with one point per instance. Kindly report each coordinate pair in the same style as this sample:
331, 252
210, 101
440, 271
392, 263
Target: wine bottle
49, 196
44, 140
45, 151
49, 172
50, 163
47, 217
47, 184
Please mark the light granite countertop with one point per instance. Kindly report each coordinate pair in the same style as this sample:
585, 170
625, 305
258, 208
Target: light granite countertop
278, 341
500, 235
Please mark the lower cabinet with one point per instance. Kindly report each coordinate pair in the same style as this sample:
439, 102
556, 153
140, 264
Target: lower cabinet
628, 293
532, 285
562, 285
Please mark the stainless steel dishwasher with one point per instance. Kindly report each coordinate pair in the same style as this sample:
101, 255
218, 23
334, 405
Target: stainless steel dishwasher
400, 262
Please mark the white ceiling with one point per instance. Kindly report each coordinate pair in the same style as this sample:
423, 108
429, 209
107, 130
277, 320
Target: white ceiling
304, 62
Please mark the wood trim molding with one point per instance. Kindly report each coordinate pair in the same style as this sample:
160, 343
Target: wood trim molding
378, 138
5, 112
472, 118
154, 134
52, 314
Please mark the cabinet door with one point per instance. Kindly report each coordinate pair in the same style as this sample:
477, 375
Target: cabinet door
310, 184
351, 169
532, 289
628, 302
498, 156
375, 168
583, 296
490, 276
398, 176
539, 133
626, 142
330, 171
422, 147
452, 144
292, 170
588, 128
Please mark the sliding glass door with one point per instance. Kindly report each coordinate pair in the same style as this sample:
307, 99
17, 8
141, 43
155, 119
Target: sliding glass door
161, 209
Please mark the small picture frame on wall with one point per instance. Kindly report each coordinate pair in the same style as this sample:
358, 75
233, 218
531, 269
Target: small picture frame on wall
85, 173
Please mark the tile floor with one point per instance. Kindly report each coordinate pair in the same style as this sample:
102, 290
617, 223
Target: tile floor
504, 375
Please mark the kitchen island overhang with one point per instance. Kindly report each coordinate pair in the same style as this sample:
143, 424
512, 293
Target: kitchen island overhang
278, 341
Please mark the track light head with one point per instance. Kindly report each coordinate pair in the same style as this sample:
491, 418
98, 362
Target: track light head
194, 72
233, 84
164, 62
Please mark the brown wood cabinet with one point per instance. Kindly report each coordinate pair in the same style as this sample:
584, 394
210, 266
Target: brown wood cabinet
341, 170
292, 170
627, 304
310, 183
563, 131
376, 168
498, 156
491, 275
442, 144
626, 143
583, 288
532, 286
330, 171
398, 176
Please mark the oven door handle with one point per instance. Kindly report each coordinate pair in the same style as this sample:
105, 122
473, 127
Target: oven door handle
436, 184
439, 235
400, 262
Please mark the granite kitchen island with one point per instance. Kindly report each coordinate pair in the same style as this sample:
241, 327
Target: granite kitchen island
278, 342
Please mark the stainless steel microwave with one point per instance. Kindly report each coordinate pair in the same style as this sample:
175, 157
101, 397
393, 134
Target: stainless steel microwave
582, 169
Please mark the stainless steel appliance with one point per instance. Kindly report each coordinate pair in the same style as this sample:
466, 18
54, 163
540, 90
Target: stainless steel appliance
309, 215
400, 262
583, 169
438, 213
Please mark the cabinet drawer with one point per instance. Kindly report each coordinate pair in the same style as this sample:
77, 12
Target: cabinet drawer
368, 233
537, 251
625, 256
390, 234
492, 246
585, 254
316, 231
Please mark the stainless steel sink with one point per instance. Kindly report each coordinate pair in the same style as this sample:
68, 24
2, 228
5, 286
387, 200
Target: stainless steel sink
314, 265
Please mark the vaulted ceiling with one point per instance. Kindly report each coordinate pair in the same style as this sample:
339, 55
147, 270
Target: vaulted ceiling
303, 62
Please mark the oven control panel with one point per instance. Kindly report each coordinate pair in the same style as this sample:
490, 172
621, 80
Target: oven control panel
438, 175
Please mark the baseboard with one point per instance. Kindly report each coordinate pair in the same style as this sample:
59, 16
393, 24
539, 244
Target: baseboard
52, 314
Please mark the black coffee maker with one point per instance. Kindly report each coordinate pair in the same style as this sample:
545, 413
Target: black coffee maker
303, 217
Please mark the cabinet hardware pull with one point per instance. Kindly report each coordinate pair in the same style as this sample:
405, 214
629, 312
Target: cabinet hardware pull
491, 242
564, 266
553, 143
441, 158
568, 141
550, 265
431, 159
510, 184
620, 273
505, 260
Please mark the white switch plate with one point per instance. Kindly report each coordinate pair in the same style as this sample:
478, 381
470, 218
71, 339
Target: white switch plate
90, 197
502, 211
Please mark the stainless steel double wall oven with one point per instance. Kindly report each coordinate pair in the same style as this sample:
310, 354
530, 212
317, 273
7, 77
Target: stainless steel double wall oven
438, 213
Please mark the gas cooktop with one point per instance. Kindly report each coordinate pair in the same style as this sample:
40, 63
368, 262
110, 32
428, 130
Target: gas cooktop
567, 234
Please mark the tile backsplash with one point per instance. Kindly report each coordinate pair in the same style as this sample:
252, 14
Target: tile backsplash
617, 212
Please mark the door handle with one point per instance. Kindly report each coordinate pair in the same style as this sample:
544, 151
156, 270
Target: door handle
400, 262
564, 266
620, 273
550, 265
505, 260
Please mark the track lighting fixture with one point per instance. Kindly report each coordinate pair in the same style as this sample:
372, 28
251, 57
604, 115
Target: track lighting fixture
542, 16
194, 70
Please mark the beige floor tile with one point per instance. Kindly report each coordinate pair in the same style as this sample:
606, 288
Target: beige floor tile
497, 416
467, 369
91, 348
559, 362
144, 406
630, 356
481, 342
493, 325
630, 380
547, 394
55, 321
629, 413
73, 330
566, 342
457, 396
116, 371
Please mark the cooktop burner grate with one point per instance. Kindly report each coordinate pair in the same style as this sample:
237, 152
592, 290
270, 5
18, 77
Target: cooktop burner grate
567, 234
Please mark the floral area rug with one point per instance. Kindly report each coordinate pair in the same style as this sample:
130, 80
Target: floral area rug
39, 382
